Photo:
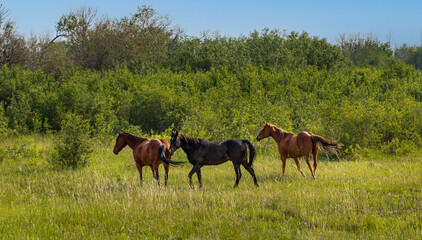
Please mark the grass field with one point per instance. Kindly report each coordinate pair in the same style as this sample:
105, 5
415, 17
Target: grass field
370, 198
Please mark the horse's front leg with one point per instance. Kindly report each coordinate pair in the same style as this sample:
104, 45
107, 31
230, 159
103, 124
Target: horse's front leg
199, 175
298, 166
139, 166
194, 170
283, 160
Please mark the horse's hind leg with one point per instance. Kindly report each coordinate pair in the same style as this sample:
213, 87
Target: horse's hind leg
139, 166
238, 173
194, 170
166, 173
156, 174
252, 172
315, 162
298, 166
309, 165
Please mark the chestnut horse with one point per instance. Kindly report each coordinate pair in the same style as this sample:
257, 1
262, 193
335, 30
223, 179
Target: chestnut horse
146, 153
294, 146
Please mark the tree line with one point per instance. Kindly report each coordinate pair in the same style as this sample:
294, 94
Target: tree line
147, 40
143, 75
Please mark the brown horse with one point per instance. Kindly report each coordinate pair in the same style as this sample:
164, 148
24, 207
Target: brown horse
146, 153
295, 146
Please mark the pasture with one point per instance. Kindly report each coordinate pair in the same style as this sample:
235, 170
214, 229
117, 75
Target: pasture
372, 197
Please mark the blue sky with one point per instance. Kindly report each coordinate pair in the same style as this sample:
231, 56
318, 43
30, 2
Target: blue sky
399, 21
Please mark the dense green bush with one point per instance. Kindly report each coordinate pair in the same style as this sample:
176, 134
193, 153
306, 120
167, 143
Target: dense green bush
369, 107
73, 145
268, 49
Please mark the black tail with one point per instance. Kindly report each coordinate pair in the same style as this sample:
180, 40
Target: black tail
252, 151
162, 153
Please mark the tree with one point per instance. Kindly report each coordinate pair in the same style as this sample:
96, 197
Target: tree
12, 45
365, 51
76, 26
415, 58
146, 38
403, 52
96, 44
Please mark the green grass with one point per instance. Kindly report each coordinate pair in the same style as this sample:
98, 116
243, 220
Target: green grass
373, 198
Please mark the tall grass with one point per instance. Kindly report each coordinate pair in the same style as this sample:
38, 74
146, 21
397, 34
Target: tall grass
370, 198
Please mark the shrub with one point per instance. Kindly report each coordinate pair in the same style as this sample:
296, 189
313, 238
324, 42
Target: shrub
73, 146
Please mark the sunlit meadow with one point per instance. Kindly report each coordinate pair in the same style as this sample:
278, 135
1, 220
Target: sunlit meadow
370, 198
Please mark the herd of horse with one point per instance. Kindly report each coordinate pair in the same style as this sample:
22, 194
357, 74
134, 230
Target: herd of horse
201, 152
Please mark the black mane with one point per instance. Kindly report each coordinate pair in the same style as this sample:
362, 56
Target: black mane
192, 141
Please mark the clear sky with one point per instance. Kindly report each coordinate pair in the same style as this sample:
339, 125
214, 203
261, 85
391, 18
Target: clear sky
400, 21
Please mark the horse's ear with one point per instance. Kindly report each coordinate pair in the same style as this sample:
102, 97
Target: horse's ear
174, 132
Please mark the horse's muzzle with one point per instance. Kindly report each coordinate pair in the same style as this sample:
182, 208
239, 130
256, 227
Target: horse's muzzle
171, 151
115, 152
258, 139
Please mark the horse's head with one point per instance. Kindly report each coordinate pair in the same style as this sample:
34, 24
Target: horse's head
120, 143
265, 132
174, 142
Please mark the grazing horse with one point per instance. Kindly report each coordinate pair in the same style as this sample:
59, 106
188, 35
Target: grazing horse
146, 153
295, 146
201, 152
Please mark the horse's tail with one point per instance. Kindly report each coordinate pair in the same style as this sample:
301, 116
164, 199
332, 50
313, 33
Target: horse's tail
162, 153
252, 151
327, 145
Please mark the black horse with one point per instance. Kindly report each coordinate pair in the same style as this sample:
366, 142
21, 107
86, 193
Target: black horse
201, 152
